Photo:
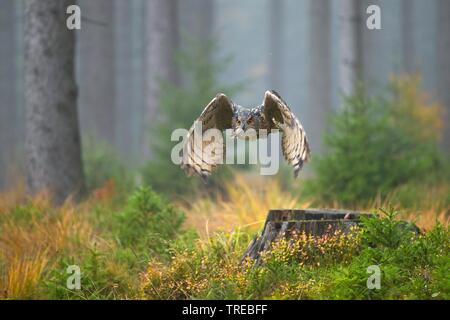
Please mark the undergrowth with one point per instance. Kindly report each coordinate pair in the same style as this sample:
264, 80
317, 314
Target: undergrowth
148, 248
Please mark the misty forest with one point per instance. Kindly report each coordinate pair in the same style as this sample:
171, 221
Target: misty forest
93, 207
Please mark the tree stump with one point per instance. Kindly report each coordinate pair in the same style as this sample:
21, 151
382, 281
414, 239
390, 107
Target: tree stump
317, 222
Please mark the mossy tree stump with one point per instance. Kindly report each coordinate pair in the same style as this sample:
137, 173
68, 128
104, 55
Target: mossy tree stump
317, 222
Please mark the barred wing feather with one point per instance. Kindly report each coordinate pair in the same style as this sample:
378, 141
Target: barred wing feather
201, 156
295, 144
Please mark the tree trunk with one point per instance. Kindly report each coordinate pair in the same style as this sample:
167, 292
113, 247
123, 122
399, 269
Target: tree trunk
275, 44
196, 27
443, 52
7, 88
130, 57
315, 222
408, 35
350, 45
52, 136
320, 98
197, 19
96, 70
163, 42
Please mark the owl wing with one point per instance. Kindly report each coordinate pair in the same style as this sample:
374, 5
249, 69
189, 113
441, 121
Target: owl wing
201, 157
295, 145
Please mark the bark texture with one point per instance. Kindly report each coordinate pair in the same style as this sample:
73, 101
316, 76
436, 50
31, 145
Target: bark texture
53, 155
7, 88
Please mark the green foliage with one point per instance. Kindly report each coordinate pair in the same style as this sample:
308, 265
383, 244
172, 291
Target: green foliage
330, 267
376, 144
102, 164
179, 107
24, 214
312, 250
140, 251
147, 222
411, 265
102, 277
386, 231
148, 227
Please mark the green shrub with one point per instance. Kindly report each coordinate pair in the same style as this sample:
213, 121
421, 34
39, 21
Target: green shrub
148, 222
386, 231
148, 227
103, 276
102, 164
411, 265
376, 144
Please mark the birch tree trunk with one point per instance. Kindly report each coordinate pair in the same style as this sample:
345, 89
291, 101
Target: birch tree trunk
350, 45
96, 70
52, 136
443, 52
320, 98
163, 42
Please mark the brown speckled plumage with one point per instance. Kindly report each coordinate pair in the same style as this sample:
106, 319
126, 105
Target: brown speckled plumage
221, 113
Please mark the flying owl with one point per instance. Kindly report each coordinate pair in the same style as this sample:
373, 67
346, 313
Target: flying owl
222, 114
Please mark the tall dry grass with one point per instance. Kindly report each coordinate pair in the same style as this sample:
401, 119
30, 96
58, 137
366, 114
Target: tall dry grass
427, 205
32, 234
249, 198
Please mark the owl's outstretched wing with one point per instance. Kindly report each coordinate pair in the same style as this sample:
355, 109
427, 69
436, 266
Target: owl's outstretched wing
295, 145
201, 157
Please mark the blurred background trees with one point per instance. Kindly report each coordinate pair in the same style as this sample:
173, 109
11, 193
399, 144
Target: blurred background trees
96, 62
144, 67
375, 105
443, 59
163, 41
377, 144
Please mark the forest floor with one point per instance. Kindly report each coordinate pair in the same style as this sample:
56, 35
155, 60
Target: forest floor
139, 246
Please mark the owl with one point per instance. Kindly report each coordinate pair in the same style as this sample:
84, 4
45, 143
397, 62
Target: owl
222, 114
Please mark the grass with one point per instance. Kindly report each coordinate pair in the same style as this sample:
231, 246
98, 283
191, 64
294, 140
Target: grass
147, 248
248, 199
